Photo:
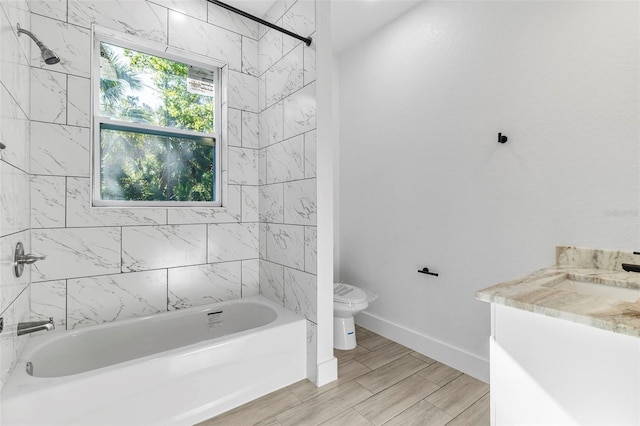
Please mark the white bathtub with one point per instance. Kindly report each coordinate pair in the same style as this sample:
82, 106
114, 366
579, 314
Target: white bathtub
180, 367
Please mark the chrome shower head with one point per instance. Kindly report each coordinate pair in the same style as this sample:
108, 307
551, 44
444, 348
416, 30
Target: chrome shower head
48, 56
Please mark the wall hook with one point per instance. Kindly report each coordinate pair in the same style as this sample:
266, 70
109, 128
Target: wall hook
502, 138
426, 271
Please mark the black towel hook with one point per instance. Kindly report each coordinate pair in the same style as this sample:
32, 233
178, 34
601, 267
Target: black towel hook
426, 271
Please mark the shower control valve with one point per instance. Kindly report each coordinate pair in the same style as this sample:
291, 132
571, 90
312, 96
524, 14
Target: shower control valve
20, 259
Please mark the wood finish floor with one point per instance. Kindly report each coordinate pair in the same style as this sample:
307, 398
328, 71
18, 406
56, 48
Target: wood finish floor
379, 383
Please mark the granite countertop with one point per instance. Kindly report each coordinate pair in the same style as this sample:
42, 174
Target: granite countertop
536, 293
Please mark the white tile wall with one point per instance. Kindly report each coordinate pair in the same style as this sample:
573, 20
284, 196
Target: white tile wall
59, 149
48, 201
14, 131
15, 294
310, 154
262, 229
232, 241
272, 281
243, 91
155, 247
309, 63
232, 22
75, 252
200, 37
231, 213
54, 9
287, 164
14, 61
250, 277
79, 212
70, 42
285, 245
285, 160
96, 300
311, 249
140, 18
262, 166
193, 8
10, 285
300, 293
272, 203
13, 199
250, 204
8, 346
78, 101
249, 56
300, 111
204, 284
250, 129
262, 103
300, 202
271, 125
243, 166
285, 76
48, 96
300, 19
111, 264
234, 127
49, 300
269, 50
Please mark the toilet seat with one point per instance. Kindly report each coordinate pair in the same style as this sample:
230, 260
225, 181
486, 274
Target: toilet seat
345, 293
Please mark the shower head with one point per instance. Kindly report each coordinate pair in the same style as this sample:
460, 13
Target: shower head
48, 56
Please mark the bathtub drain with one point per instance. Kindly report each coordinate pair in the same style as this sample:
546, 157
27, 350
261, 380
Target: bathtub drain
30, 369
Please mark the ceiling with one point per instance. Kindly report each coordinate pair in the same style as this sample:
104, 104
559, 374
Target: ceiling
351, 20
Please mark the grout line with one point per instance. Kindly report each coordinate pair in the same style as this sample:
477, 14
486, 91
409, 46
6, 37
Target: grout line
121, 249
66, 304
206, 234
66, 202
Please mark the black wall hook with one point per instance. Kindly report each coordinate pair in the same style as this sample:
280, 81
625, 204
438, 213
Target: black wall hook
426, 271
502, 138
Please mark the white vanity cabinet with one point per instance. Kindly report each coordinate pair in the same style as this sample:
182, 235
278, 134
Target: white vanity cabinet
550, 371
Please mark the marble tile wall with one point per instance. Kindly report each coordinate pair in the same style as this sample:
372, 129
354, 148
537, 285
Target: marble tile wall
109, 264
112, 264
287, 164
15, 293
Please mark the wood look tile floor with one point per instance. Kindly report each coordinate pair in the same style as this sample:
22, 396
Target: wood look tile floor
379, 383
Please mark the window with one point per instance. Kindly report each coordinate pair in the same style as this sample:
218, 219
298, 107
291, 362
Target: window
156, 127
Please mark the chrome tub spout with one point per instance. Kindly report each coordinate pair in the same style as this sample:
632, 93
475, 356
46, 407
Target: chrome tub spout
33, 326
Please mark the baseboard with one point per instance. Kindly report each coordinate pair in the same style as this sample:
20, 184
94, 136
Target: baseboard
454, 357
327, 372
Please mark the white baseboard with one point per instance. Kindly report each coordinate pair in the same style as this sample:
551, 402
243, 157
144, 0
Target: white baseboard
454, 357
327, 372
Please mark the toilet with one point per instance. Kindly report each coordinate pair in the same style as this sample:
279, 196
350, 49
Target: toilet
348, 300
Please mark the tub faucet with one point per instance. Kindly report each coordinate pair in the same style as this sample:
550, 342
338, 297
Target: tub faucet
33, 326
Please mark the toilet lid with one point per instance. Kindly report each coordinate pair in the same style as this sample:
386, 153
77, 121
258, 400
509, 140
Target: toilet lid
348, 294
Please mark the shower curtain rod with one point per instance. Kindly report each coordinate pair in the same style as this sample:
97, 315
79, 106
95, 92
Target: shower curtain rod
307, 40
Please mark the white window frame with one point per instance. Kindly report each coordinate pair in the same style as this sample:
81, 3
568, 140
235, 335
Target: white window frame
163, 51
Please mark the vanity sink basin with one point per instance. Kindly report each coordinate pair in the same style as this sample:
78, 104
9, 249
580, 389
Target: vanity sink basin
611, 290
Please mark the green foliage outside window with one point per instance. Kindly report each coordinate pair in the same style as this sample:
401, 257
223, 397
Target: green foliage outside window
154, 165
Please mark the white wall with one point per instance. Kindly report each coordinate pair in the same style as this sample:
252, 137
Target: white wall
423, 181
